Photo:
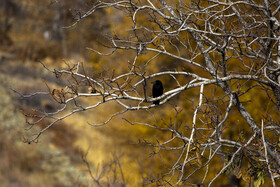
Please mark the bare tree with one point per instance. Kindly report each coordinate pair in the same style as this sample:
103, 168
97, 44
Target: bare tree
231, 47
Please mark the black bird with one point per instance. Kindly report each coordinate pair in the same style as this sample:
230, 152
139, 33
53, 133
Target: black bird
157, 90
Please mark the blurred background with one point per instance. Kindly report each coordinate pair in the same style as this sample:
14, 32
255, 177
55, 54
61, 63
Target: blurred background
32, 31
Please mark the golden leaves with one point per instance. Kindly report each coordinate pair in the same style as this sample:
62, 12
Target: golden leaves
58, 95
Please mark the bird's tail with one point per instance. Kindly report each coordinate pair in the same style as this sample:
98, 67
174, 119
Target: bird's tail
156, 102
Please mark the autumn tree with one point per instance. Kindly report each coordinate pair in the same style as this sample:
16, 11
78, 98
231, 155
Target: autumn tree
219, 63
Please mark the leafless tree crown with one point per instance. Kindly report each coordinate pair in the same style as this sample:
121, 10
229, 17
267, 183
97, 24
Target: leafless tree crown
231, 46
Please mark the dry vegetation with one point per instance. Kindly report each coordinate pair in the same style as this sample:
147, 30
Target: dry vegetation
196, 134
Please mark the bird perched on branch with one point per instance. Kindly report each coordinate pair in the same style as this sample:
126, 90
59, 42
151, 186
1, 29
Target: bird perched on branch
157, 90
